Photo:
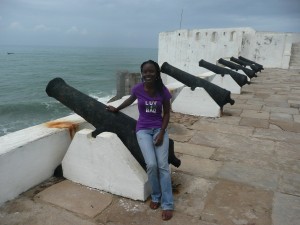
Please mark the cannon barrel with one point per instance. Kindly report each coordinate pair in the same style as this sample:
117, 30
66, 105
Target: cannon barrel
244, 63
250, 61
234, 66
240, 79
220, 95
95, 113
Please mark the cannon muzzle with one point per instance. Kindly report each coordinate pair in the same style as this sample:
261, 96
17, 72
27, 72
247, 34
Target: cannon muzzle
220, 95
240, 79
252, 62
234, 66
244, 63
95, 113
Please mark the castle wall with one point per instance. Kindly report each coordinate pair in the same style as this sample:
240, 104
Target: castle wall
185, 48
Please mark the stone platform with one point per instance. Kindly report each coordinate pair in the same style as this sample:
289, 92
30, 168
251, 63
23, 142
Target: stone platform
240, 169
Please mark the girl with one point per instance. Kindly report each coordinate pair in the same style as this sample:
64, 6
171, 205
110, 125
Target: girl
154, 114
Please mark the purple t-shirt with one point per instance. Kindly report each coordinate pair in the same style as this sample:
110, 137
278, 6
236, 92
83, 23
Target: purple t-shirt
150, 108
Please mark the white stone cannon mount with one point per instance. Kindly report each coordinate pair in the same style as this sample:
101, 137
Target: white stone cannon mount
104, 163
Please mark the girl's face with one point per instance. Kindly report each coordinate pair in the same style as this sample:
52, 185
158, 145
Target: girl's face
149, 73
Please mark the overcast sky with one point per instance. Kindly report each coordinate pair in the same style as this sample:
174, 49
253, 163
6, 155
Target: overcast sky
134, 23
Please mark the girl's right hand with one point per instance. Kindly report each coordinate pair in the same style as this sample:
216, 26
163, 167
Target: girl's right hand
111, 109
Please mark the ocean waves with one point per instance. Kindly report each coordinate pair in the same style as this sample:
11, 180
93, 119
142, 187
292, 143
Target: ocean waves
25, 74
16, 116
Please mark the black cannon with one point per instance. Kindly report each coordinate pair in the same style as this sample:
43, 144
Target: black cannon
234, 66
240, 79
250, 61
95, 113
220, 95
244, 63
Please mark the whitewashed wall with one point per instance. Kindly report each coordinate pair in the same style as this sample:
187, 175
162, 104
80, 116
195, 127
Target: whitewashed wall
273, 50
185, 48
30, 156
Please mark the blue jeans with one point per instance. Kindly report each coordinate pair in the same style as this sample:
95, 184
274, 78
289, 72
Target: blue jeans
156, 158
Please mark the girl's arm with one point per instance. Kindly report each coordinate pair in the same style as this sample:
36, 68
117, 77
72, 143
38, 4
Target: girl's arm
126, 103
165, 121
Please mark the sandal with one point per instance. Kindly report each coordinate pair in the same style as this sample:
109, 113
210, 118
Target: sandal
167, 214
154, 205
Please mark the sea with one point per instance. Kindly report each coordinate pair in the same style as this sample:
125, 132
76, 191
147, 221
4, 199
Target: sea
26, 70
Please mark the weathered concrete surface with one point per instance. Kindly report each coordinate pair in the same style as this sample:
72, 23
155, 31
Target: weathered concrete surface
286, 209
69, 195
240, 169
236, 204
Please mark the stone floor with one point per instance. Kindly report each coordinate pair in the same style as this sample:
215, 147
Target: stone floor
240, 169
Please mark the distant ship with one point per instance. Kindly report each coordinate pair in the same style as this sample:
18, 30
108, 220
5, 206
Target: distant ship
9, 53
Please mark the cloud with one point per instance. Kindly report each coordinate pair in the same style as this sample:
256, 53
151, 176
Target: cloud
76, 30
41, 27
135, 22
15, 25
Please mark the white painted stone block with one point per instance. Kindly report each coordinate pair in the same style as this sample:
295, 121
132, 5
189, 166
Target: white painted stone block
106, 164
197, 103
175, 89
227, 83
285, 63
206, 74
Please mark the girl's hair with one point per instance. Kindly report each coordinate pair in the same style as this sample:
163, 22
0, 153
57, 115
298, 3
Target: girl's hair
158, 82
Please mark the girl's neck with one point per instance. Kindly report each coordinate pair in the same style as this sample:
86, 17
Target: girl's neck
150, 89
149, 86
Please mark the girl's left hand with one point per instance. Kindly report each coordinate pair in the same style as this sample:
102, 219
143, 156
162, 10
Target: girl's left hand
159, 138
